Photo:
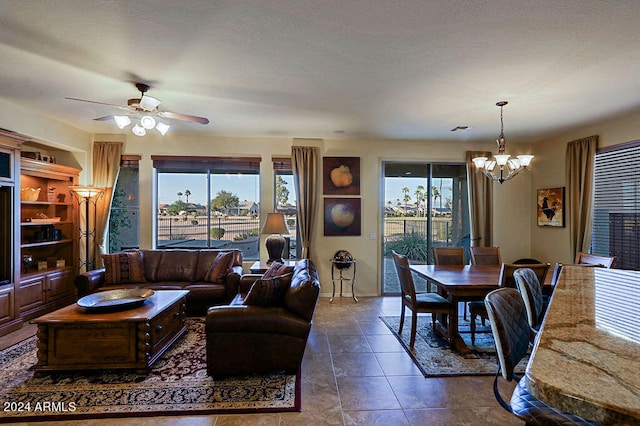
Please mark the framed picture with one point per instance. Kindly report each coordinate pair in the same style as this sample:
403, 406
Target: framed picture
342, 216
341, 175
551, 207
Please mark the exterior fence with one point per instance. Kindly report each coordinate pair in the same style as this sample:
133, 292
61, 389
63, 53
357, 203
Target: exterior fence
395, 228
190, 228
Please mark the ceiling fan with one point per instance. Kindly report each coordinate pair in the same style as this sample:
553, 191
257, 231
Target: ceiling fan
143, 109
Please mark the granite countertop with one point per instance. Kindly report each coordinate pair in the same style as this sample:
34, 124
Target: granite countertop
586, 359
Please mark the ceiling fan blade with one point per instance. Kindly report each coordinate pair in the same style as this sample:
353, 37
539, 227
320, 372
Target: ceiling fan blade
105, 118
148, 103
183, 117
99, 103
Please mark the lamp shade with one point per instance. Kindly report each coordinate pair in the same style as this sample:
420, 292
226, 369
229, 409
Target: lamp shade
275, 225
86, 191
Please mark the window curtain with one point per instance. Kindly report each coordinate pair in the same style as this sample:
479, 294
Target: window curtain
305, 172
106, 165
481, 202
579, 167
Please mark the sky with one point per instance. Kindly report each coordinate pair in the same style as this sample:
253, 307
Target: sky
393, 189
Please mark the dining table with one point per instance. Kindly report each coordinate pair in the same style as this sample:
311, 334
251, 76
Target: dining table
460, 283
586, 356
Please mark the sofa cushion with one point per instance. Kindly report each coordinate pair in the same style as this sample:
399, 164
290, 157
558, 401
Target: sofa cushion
220, 267
170, 265
277, 269
268, 292
123, 268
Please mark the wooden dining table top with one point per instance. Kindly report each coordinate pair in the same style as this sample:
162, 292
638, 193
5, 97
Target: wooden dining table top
456, 277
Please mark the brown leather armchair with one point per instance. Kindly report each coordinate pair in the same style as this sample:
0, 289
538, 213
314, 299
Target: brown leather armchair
245, 339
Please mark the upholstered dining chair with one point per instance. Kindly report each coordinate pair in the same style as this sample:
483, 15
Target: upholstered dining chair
592, 259
531, 291
485, 255
477, 309
508, 317
417, 302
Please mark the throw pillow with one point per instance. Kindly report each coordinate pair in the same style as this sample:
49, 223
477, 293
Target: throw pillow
123, 268
277, 269
268, 292
220, 267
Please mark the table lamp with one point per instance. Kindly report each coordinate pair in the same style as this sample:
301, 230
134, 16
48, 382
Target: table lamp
275, 227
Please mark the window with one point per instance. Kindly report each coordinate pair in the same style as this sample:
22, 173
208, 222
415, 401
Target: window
616, 205
208, 202
285, 202
124, 225
426, 206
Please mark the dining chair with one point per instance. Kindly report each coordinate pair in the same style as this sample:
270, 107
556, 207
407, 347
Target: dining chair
485, 255
510, 329
592, 259
417, 302
478, 309
534, 302
451, 256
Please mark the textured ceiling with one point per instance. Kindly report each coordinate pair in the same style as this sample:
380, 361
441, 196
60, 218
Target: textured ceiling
371, 68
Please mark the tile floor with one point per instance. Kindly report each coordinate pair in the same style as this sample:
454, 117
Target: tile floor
356, 373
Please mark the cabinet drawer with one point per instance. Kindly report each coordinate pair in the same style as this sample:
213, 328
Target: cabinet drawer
165, 326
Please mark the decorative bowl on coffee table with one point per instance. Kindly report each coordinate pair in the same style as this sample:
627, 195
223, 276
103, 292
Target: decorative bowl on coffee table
115, 299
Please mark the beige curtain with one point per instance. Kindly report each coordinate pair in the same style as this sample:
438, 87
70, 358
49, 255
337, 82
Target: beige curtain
579, 165
481, 202
106, 165
304, 164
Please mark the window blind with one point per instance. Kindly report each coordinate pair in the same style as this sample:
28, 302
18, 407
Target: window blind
186, 164
616, 204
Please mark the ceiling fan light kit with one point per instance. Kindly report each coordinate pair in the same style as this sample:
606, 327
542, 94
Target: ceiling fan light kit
508, 167
143, 110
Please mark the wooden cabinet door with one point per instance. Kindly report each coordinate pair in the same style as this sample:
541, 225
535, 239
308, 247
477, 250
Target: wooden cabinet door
7, 304
59, 285
31, 293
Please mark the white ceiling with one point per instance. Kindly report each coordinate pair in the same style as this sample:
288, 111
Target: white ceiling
308, 68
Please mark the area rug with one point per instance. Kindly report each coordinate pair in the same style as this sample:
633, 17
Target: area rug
178, 384
434, 356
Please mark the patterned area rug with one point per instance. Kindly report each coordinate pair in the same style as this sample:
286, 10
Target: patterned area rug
177, 384
434, 356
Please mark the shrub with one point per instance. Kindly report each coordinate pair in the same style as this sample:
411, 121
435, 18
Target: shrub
245, 235
412, 245
217, 233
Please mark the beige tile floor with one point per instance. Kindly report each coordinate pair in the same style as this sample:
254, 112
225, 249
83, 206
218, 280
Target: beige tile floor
356, 373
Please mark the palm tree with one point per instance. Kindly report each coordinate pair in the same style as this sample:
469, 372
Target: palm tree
187, 193
179, 196
419, 196
406, 198
436, 194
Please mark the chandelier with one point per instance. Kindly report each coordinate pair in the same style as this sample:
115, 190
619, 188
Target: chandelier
144, 123
501, 168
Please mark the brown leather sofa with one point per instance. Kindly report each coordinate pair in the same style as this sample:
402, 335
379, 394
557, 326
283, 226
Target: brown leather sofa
258, 339
176, 270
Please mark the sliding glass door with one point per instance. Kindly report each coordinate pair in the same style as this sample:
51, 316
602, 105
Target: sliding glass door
426, 205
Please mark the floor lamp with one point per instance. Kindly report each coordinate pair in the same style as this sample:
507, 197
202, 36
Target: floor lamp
275, 227
87, 195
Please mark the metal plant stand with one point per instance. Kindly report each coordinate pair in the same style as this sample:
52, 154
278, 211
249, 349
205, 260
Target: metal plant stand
341, 266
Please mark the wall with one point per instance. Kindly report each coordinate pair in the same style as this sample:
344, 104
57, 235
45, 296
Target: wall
71, 146
367, 247
552, 244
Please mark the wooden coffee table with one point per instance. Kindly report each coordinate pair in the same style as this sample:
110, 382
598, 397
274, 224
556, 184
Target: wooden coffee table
73, 339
